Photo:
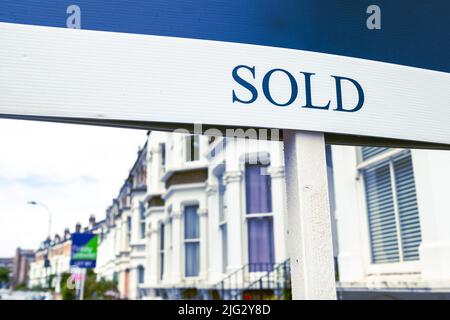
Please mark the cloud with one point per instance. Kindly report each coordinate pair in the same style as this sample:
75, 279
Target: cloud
34, 180
75, 170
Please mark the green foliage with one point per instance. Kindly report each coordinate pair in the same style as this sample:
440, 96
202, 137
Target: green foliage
21, 287
38, 288
66, 293
50, 283
4, 275
189, 293
93, 289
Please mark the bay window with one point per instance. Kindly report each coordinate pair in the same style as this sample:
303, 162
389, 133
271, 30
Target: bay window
191, 241
258, 191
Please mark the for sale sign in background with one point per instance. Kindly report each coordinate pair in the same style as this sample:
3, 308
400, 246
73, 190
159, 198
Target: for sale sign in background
84, 250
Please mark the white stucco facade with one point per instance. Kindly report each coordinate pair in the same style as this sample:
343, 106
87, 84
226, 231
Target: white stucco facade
213, 184
430, 270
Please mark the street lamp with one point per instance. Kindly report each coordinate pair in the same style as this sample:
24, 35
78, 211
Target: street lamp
34, 203
47, 261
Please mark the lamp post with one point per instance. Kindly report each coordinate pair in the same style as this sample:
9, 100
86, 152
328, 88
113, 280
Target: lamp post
46, 261
34, 203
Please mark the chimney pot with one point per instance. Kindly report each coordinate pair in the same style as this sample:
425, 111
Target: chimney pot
66, 233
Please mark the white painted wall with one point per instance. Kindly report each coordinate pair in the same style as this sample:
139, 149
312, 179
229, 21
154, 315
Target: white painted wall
432, 270
432, 176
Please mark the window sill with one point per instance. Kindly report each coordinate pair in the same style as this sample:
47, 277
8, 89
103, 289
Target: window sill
387, 269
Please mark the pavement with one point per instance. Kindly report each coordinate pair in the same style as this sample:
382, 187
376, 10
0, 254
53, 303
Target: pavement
6, 294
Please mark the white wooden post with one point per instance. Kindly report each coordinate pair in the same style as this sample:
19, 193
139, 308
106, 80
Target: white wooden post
81, 278
309, 238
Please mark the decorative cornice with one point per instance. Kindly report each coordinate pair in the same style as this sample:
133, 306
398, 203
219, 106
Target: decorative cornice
152, 231
176, 215
140, 189
202, 212
155, 200
155, 149
153, 210
137, 245
172, 189
232, 176
183, 169
125, 208
276, 172
150, 195
211, 189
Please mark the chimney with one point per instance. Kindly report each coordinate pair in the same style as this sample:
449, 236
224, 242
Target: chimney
66, 233
78, 228
48, 242
91, 221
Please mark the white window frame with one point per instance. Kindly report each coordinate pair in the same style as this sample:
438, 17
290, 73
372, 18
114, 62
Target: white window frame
142, 223
138, 269
223, 219
392, 268
162, 160
187, 151
248, 216
129, 226
162, 268
192, 240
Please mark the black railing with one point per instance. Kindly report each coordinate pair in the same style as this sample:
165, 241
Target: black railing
256, 281
251, 281
274, 285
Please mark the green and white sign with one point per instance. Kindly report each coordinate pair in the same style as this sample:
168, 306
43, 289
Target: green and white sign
84, 250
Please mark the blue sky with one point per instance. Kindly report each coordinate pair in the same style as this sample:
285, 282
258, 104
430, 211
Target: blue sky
75, 170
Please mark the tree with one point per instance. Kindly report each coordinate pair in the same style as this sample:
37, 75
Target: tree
93, 289
4, 275
66, 293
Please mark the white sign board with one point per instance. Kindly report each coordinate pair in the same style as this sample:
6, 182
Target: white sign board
58, 72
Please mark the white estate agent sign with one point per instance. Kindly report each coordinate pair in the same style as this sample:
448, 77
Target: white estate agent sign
144, 64
313, 65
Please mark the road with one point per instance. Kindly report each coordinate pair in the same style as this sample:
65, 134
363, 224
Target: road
23, 295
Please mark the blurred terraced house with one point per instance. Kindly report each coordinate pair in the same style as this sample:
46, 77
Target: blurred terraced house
225, 232
52, 258
122, 247
210, 222
21, 266
51, 261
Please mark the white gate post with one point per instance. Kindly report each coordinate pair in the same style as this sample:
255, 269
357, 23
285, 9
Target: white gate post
309, 238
